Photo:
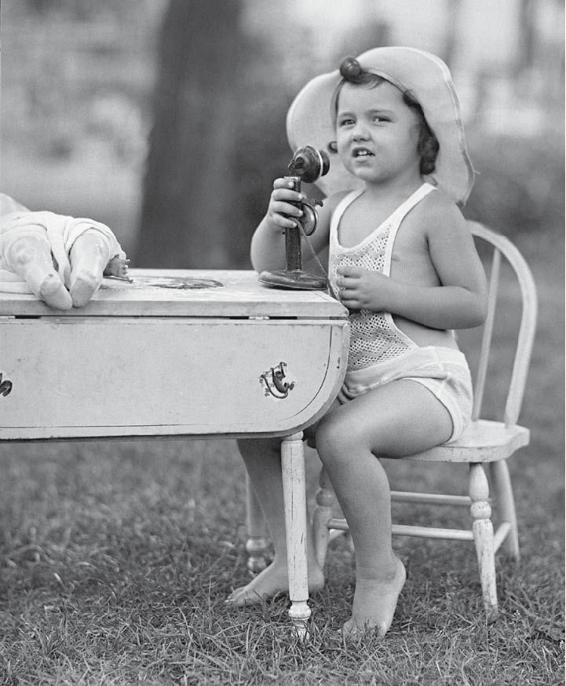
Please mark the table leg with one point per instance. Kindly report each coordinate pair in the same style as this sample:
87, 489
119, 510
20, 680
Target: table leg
294, 494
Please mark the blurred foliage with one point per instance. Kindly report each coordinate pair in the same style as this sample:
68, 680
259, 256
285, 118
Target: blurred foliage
520, 183
82, 10
87, 106
90, 94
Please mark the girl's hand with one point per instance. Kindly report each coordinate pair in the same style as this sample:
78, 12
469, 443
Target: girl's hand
280, 210
363, 289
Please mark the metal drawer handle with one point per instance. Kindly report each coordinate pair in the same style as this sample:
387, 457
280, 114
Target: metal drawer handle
274, 382
5, 386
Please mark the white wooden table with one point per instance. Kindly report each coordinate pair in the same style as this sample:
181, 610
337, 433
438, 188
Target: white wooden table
231, 359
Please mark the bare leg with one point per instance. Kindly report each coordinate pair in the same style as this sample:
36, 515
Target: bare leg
263, 463
29, 256
89, 256
398, 419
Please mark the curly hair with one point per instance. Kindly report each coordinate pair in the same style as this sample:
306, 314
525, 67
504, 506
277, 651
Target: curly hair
352, 72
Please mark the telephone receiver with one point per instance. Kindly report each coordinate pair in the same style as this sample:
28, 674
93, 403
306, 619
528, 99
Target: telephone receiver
307, 164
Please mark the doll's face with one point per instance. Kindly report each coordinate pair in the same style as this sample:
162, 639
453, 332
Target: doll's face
377, 133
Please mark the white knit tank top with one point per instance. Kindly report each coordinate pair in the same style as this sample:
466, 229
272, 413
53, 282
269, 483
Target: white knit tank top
374, 337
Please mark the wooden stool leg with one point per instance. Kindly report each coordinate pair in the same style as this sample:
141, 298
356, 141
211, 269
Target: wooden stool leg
322, 516
506, 505
483, 537
257, 542
294, 494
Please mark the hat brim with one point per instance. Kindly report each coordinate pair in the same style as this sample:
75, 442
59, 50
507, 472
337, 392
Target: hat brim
311, 122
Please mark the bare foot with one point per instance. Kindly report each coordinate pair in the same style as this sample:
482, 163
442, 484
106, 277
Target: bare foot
53, 292
271, 581
374, 604
84, 285
30, 257
88, 256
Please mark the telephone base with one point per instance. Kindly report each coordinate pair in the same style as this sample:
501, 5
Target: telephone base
294, 280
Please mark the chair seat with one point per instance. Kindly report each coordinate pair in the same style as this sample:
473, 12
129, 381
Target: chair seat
483, 441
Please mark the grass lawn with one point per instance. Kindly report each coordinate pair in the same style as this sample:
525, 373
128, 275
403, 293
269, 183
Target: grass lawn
116, 558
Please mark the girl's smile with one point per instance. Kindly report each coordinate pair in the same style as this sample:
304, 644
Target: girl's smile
361, 152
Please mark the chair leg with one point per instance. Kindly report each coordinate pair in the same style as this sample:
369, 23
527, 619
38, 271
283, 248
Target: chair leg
257, 542
483, 537
505, 503
321, 517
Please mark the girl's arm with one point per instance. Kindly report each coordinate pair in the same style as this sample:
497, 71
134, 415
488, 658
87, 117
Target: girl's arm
458, 301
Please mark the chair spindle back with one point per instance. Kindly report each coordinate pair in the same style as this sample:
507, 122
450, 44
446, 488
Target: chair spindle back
502, 247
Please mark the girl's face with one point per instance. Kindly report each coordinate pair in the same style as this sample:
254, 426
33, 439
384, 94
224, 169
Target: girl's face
377, 134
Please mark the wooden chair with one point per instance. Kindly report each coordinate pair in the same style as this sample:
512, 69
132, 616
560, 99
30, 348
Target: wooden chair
485, 441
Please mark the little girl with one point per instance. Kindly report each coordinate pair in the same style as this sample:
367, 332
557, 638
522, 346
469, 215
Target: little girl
402, 260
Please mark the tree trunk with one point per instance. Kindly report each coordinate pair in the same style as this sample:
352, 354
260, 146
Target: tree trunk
185, 221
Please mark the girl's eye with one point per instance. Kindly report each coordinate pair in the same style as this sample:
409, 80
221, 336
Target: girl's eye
346, 121
380, 119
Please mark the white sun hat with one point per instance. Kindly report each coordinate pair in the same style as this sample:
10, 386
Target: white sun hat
311, 121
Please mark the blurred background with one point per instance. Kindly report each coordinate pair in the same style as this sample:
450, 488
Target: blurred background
165, 118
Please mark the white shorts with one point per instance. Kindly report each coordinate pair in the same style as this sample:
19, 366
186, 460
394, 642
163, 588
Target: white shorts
443, 371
